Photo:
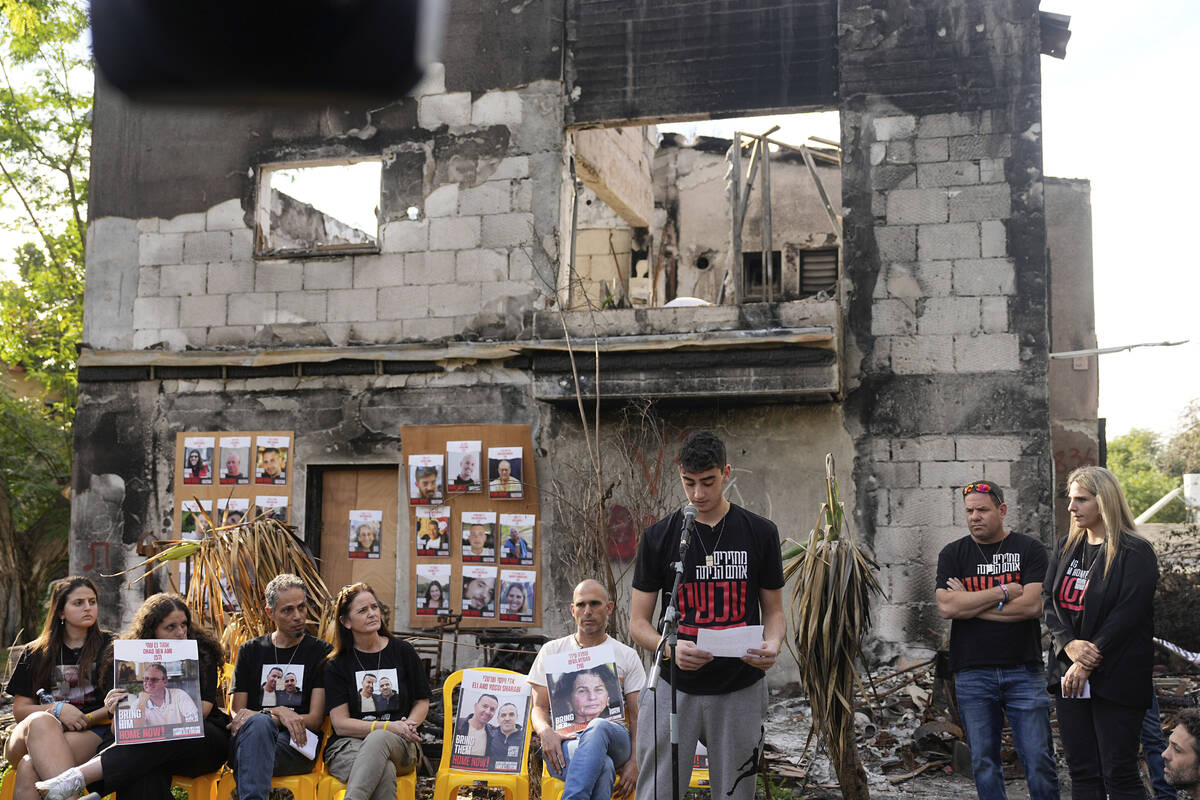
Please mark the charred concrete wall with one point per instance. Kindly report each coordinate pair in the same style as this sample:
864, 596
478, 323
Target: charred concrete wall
1074, 383
692, 192
945, 259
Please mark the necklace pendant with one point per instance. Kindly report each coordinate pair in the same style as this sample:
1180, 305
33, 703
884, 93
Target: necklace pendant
708, 561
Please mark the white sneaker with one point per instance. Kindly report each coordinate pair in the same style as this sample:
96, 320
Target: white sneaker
61, 787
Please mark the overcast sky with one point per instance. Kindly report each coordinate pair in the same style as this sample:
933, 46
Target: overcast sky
1120, 111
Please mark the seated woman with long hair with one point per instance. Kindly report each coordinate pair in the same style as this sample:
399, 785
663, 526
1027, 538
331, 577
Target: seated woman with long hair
369, 748
60, 717
143, 771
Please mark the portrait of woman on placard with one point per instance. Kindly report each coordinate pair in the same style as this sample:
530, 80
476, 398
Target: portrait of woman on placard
194, 468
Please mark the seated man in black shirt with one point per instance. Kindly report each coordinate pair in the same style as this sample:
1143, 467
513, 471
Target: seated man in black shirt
262, 731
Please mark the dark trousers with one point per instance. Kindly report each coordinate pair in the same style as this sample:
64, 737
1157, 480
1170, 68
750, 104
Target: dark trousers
1101, 740
143, 771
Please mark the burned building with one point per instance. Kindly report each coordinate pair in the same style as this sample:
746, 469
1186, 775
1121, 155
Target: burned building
213, 304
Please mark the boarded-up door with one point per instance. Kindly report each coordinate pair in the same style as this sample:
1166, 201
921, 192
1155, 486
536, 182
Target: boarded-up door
346, 490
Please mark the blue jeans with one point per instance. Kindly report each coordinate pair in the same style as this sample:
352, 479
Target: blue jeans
591, 760
1153, 744
985, 697
260, 750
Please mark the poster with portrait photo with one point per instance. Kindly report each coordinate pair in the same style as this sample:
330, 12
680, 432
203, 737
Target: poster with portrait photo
272, 506
478, 591
194, 518
162, 677
426, 479
462, 467
433, 531
69, 684
366, 533
234, 460
516, 538
232, 510
700, 760
377, 698
504, 473
478, 531
515, 602
271, 460
432, 590
489, 728
583, 686
198, 460
282, 685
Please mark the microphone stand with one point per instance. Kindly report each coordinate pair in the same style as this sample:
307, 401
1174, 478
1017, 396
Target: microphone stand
670, 637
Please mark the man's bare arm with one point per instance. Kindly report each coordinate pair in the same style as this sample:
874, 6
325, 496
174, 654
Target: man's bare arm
1027, 606
961, 604
641, 624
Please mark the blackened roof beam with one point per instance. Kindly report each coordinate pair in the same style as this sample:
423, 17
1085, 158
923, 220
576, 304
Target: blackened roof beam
1055, 33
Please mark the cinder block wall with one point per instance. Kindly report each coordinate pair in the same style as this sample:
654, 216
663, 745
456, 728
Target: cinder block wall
944, 252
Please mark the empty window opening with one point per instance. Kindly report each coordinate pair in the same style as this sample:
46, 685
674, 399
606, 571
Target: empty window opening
316, 209
661, 197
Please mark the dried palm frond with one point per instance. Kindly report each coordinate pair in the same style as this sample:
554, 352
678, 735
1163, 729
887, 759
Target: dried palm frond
231, 566
831, 602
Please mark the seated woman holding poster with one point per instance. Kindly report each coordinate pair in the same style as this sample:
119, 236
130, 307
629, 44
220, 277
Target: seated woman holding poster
60, 719
143, 771
373, 741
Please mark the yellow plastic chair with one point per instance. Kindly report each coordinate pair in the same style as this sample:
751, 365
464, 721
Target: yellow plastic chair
302, 787
333, 789
516, 786
8, 784
201, 788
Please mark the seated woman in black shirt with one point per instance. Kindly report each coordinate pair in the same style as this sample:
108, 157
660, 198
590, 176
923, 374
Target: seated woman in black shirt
143, 771
60, 719
369, 749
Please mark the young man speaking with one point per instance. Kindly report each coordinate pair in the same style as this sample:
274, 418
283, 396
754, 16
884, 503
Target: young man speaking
733, 576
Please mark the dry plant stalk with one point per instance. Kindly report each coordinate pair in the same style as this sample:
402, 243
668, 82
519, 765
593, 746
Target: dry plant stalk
236, 562
831, 603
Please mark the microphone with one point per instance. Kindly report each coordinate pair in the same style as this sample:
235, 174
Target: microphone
685, 535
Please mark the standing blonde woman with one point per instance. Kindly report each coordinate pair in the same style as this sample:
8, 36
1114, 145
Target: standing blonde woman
1099, 610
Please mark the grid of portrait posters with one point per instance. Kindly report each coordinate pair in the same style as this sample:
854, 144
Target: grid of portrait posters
489, 728
426, 479
465, 483
433, 531
584, 686
462, 467
478, 591
516, 595
479, 537
433, 589
365, 533
162, 677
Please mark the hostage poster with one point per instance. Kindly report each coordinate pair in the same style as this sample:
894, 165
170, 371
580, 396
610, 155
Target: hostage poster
489, 729
584, 686
162, 678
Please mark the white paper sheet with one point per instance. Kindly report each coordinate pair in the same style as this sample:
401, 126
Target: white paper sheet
731, 642
309, 748
1087, 689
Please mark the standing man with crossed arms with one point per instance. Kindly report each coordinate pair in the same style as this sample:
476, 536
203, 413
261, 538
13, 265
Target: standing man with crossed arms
733, 576
989, 583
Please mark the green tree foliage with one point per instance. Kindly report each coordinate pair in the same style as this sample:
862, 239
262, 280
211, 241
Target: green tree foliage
1134, 458
45, 136
1182, 453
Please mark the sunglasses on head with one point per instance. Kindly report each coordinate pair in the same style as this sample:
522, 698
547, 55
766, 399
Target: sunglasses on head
984, 487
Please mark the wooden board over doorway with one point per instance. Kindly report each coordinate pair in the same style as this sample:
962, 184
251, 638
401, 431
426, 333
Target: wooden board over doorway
343, 490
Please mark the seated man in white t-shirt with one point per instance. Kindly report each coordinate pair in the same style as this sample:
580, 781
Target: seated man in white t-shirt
604, 750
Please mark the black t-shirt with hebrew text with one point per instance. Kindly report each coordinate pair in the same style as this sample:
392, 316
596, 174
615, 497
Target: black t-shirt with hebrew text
977, 642
290, 672
745, 559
